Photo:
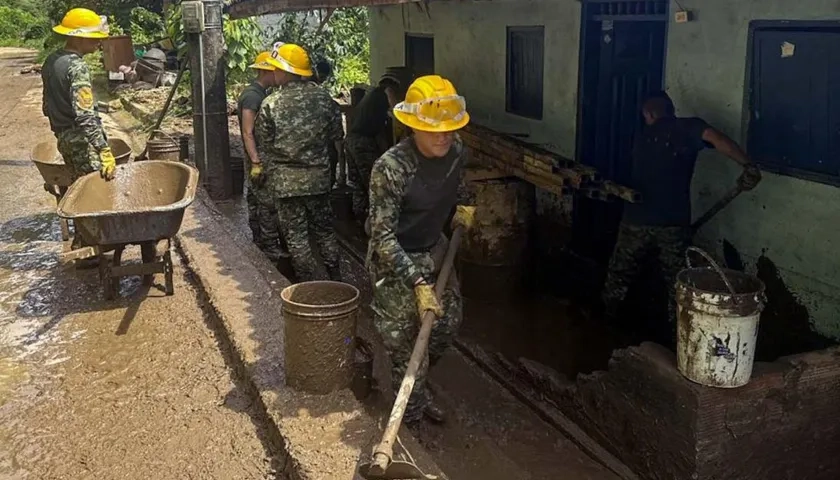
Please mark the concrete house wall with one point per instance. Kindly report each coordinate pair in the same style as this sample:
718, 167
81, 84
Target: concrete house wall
787, 225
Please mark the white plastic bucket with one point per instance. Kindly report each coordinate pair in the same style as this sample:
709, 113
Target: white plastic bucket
717, 324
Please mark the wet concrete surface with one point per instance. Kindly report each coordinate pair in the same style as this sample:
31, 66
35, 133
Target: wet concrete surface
490, 435
134, 388
785, 324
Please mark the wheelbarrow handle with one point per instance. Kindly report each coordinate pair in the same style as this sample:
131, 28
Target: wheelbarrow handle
384, 451
78, 254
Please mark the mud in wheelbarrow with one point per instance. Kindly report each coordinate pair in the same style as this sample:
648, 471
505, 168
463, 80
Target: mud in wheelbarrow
143, 205
58, 176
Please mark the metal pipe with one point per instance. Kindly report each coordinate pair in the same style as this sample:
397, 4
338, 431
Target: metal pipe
205, 161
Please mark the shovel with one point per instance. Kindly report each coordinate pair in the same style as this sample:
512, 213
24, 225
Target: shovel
382, 465
172, 90
717, 207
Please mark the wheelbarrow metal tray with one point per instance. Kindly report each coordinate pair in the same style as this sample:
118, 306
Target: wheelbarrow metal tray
51, 165
145, 202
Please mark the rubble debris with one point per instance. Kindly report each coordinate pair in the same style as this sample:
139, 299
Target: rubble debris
34, 68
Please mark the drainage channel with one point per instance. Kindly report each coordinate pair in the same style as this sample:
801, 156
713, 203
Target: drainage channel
567, 443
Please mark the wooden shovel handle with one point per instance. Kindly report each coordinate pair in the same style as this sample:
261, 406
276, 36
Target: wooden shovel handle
384, 451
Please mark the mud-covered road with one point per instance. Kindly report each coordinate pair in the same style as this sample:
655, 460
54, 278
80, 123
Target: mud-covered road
135, 388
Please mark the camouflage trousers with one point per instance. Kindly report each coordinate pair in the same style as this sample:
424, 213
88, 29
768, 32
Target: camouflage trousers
301, 217
361, 152
265, 227
398, 323
78, 153
636, 246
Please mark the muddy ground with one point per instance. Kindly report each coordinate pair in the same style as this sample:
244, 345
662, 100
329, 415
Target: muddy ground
134, 388
491, 434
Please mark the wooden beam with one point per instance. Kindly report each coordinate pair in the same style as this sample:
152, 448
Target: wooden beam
253, 8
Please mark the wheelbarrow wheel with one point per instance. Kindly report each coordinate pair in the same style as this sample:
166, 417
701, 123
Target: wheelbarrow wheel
148, 252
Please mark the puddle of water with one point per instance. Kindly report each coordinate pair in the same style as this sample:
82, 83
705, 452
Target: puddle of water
12, 373
30, 280
543, 329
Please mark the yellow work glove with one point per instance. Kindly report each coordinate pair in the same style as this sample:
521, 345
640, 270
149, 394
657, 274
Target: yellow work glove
464, 217
426, 300
109, 163
256, 174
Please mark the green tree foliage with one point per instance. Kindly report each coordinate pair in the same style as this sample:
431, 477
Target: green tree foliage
243, 39
120, 10
146, 27
14, 23
32, 7
343, 41
22, 22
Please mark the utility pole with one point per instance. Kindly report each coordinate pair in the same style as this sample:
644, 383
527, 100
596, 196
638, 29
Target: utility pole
203, 25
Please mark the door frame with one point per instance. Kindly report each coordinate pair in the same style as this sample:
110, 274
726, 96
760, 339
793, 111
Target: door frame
587, 17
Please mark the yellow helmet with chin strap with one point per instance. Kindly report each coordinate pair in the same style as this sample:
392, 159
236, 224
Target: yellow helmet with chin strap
433, 105
261, 62
83, 23
290, 58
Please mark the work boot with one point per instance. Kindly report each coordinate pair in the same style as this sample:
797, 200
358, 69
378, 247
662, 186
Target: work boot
435, 413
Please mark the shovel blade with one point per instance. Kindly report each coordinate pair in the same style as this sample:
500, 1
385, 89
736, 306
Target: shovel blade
395, 471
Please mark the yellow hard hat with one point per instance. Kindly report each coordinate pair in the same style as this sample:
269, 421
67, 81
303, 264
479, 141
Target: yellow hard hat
290, 58
84, 23
432, 105
261, 62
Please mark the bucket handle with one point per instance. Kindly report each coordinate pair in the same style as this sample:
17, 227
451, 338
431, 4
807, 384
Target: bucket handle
164, 134
714, 266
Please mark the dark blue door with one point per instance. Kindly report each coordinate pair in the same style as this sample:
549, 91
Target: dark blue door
622, 61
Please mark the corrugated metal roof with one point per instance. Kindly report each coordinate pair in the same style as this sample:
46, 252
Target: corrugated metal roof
251, 8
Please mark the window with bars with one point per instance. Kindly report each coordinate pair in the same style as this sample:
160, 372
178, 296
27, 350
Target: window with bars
629, 8
794, 117
524, 87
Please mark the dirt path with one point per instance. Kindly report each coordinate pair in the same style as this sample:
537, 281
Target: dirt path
134, 388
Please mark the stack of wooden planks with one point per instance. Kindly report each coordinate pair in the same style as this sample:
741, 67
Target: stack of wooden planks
544, 169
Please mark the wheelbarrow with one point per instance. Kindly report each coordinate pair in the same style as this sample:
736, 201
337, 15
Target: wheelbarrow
144, 205
58, 175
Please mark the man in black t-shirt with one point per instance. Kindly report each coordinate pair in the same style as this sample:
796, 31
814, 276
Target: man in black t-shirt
664, 155
262, 216
363, 144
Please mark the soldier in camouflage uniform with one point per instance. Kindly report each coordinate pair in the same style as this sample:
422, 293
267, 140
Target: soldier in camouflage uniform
658, 229
297, 130
364, 144
262, 215
413, 189
68, 96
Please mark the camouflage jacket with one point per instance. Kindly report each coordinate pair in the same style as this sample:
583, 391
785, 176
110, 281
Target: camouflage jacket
410, 203
68, 97
296, 131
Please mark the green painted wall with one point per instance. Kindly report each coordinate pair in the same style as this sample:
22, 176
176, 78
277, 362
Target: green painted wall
791, 222
470, 45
